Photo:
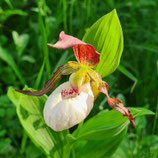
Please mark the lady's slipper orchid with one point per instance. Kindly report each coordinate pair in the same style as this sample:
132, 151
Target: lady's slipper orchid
62, 113
71, 102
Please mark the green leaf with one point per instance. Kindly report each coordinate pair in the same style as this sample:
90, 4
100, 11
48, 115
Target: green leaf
30, 112
28, 58
15, 12
4, 14
107, 124
101, 135
99, 148
126, 73
20, 41
107, 38
5, 56
140, 111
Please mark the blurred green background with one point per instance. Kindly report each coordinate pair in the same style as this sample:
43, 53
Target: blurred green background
25, 29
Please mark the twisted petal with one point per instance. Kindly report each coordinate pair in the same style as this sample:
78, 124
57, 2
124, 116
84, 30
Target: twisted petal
66, 41
65, 69
117, 105
86, 54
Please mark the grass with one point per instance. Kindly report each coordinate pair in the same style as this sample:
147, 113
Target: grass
41, 21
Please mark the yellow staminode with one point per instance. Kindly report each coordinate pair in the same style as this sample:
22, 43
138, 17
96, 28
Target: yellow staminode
77, 78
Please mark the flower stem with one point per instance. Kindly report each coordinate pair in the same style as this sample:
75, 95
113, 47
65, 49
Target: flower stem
24, 141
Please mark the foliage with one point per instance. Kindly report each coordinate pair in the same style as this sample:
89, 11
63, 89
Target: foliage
40, 22
107, 129
106, 36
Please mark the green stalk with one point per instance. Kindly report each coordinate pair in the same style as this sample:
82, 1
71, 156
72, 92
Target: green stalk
9, 4
71, 16
155, 120
79, 126
39, 77
65, 15
156, 113
88, 9
46, 17
24, 141
44, 40
73, 152
77, 9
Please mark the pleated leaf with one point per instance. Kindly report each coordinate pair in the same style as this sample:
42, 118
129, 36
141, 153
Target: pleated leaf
107, 124
107, 38
30, 112
99, 148
101, 135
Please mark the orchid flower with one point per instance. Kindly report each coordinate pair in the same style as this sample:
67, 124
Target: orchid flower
72, 101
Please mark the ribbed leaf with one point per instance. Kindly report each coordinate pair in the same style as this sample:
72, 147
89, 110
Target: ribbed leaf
30, 112
107, 124
101, 135
99, 148
107, 38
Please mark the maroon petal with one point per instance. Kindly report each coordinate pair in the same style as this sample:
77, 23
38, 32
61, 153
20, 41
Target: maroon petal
66, 41
117, 105
51, 83
86, 54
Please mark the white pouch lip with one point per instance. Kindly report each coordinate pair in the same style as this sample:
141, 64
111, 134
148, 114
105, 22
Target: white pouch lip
61, 114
